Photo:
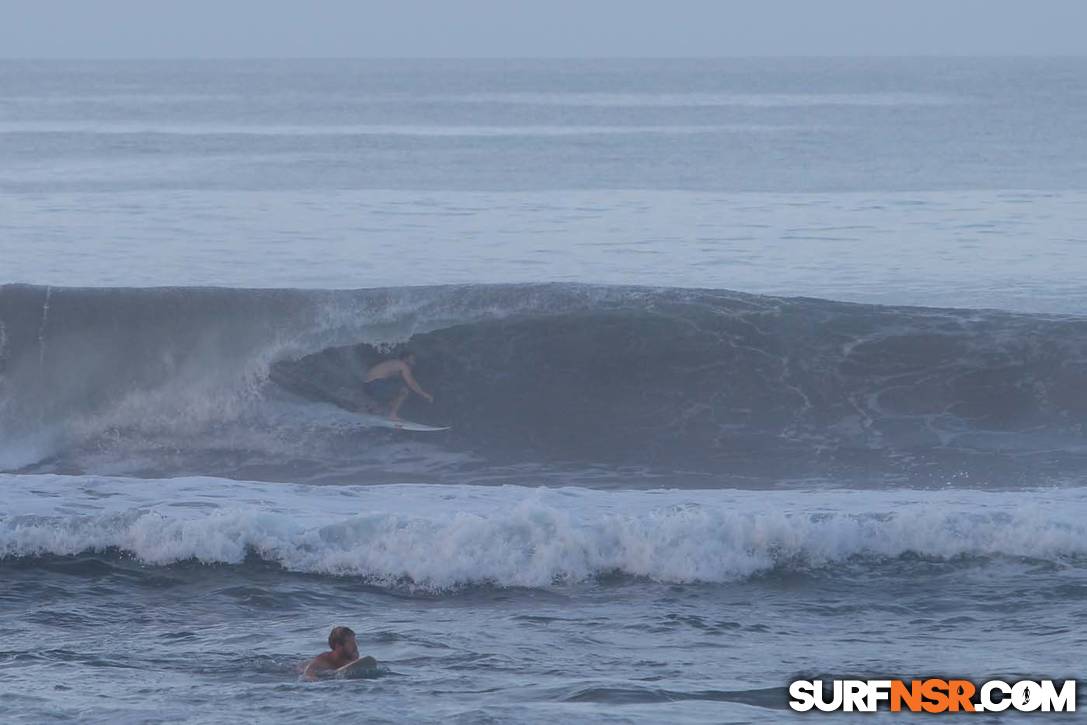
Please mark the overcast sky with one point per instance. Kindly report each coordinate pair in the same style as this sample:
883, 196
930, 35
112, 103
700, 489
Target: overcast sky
546, 28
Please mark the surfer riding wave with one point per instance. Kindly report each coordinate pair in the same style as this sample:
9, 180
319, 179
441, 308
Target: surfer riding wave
389, 382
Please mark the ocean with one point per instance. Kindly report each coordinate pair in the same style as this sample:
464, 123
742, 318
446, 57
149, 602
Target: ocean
756, 370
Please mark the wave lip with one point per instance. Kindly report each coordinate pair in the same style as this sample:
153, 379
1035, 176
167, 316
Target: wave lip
441, 537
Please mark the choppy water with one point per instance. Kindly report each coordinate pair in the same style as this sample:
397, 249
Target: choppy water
675, 481
192, 596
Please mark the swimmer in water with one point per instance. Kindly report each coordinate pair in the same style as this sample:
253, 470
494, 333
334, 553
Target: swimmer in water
343, 651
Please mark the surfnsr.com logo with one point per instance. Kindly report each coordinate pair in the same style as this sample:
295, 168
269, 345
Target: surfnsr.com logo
933, 695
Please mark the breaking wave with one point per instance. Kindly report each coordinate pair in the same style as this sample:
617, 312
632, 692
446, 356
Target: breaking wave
442, 537
701, 382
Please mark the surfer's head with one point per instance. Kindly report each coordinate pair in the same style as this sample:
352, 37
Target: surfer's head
342, 639
408, 356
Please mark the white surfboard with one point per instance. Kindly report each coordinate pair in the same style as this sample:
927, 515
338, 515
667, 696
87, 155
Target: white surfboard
378, 421
363, 668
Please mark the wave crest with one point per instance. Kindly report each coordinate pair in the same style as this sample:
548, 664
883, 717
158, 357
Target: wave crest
507, 538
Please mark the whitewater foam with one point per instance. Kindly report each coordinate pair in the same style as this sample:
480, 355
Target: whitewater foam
441, 537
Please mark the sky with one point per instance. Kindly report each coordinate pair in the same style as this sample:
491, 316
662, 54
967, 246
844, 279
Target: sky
537, 28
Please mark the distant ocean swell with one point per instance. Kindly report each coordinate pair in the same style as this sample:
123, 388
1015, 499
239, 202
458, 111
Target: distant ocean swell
662, 379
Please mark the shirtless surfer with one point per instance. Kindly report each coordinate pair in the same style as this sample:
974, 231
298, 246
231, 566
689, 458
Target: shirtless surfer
389, 382
344, 650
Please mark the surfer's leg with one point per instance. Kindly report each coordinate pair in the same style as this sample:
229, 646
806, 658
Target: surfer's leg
394, 406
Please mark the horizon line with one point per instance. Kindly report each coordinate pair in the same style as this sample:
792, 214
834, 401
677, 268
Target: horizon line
777, 56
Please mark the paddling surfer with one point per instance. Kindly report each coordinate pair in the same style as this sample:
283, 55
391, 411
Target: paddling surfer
389, 382
343, 651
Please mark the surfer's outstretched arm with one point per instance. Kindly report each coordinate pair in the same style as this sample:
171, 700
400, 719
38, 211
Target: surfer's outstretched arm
405, 372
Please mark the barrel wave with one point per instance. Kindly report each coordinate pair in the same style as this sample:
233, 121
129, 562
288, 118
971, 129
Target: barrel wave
593, 385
